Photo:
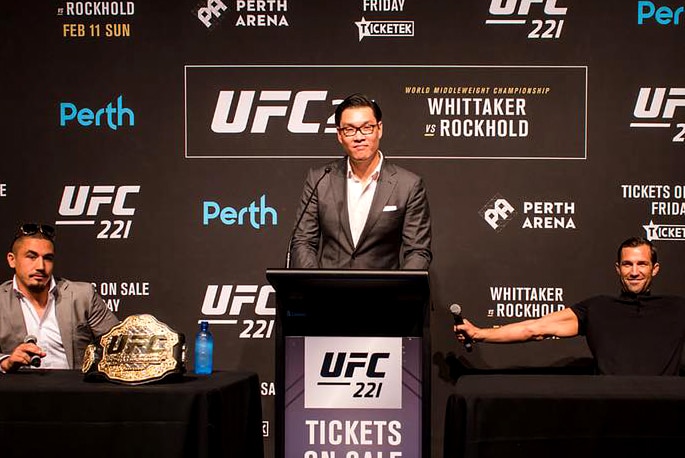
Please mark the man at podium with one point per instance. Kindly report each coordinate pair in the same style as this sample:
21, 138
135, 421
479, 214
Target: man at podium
361, 211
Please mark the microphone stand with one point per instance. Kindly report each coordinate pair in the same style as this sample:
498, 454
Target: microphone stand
326, 171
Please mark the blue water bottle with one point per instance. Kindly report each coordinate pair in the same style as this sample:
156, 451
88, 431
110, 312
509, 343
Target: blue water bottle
204, 349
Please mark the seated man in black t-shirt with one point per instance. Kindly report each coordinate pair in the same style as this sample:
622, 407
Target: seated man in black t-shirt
635, 333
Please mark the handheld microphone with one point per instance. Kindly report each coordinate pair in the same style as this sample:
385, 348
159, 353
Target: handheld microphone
456, 314
35, 359
326, 171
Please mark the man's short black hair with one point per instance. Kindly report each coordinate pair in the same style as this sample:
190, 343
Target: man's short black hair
35, 231
357, 101
634, 242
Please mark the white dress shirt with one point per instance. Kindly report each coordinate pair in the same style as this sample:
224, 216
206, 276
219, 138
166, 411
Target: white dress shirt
45, 328
359, 197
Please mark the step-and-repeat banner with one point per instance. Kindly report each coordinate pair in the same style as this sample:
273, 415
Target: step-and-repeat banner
169, 141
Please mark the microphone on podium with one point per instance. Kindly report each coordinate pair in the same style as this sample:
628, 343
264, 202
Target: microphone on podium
456, 314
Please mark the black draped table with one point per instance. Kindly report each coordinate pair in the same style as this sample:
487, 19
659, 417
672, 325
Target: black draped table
57, 414
559, 416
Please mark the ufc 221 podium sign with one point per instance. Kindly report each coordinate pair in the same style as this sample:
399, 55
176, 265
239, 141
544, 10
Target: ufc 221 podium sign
352, 380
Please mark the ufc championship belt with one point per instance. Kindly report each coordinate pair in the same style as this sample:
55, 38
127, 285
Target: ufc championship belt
140, 349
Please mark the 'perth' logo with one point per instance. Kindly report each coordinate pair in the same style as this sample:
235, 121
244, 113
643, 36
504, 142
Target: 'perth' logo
255, 214
663, 15
111, 115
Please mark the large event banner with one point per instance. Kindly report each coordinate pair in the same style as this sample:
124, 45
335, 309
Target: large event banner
169, 142
433, 111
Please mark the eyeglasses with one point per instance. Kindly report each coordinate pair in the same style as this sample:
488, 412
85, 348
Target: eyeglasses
33, 228
352, 131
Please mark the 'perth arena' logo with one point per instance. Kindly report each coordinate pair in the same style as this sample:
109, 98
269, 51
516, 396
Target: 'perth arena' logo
656, 108
497, 212
384, 28
537, 215
250, 13
210, 14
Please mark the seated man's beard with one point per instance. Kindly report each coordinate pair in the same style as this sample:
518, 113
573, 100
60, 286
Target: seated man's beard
37, 288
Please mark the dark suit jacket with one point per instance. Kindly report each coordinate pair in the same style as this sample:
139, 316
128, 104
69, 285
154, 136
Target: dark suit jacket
397, 234
81, 313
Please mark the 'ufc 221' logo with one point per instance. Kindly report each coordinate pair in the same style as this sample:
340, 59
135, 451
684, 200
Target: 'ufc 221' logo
84, 206
235, 301
342, 366
270, 104
657, 107
514, 12
353, 372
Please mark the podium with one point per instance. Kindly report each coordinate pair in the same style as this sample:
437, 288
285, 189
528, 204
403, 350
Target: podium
352, 363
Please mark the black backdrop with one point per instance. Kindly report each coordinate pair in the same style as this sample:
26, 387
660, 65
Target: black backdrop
547, 132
